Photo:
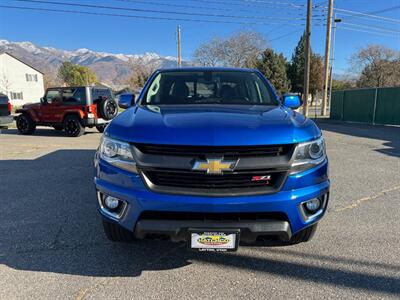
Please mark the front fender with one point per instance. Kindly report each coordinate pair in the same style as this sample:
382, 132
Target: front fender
30, 112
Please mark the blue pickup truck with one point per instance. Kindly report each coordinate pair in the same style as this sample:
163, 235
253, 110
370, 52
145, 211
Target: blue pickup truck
212, 157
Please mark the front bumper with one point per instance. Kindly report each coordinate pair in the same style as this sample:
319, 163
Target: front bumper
178, 230
91, 122
4, 120
297, 188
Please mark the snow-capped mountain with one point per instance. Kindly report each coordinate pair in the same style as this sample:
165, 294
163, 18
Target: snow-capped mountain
113, 69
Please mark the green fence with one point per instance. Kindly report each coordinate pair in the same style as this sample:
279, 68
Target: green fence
373, 106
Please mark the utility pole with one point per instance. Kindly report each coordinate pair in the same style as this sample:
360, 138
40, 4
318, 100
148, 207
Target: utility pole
336, 21
327, 60
307, 59
178, 37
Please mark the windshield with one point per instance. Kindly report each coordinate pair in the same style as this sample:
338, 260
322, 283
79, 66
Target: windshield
209, 87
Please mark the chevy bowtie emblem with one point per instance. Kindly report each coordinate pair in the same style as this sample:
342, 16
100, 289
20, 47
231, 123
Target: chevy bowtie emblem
214, 165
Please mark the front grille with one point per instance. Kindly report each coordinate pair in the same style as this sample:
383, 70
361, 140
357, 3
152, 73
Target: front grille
237, 182
168, 169
210, 151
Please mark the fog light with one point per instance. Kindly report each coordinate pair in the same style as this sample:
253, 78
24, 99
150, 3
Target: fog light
111, 202
313, 204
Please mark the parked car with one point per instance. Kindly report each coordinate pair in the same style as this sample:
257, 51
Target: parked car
211, 152
5, 110
70, 109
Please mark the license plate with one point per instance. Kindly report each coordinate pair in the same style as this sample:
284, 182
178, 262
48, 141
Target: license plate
214, 240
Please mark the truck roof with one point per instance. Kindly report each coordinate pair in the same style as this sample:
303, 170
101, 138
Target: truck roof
205, 69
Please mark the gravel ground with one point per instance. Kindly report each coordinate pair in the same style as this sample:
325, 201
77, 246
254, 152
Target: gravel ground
52, 245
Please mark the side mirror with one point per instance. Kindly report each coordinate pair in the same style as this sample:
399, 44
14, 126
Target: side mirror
292, 101
126, 100
43, 100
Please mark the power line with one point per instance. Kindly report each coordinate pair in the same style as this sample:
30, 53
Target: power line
377, 11
285, 35
155, 11
366, 31
145, 17
365, 15
254, 10
369, 27
169, 18
179, 5
385, 10
248, 4
186, 6
275, 3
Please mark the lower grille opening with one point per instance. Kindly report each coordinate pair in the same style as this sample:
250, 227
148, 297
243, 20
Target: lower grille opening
157, 237
200, 216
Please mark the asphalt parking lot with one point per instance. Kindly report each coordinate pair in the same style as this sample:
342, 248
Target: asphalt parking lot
52, 245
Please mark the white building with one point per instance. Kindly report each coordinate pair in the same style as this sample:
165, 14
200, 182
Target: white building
19, 81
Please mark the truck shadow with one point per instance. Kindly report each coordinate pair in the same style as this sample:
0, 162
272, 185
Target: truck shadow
49, 223
390, 135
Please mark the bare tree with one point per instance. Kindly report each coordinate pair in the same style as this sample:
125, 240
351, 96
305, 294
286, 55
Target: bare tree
240, 50
49, 80
316, 75
5, 84
378, 66
141, 71
210, 53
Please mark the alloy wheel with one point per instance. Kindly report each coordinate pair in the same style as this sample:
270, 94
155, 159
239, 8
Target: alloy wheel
72, 127
23, 124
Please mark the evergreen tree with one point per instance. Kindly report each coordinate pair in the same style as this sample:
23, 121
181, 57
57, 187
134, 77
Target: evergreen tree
296, 66
273, 66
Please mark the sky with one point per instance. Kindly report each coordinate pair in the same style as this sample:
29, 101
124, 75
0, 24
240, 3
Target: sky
281, 22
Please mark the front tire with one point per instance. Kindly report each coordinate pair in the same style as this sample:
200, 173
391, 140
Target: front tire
73, 126
116, 233
25, 124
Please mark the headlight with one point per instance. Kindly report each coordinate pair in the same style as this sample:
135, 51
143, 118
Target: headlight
117, 153
308, 155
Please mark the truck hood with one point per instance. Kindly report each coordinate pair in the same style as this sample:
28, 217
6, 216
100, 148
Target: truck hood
212, 125
31, 105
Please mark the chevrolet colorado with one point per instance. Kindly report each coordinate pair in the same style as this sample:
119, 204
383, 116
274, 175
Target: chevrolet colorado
213, 157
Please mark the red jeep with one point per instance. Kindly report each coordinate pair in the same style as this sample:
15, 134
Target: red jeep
70, 109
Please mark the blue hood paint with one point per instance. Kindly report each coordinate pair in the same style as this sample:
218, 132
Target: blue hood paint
212, 125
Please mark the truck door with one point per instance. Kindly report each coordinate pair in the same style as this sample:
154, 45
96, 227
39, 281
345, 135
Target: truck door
50, 105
